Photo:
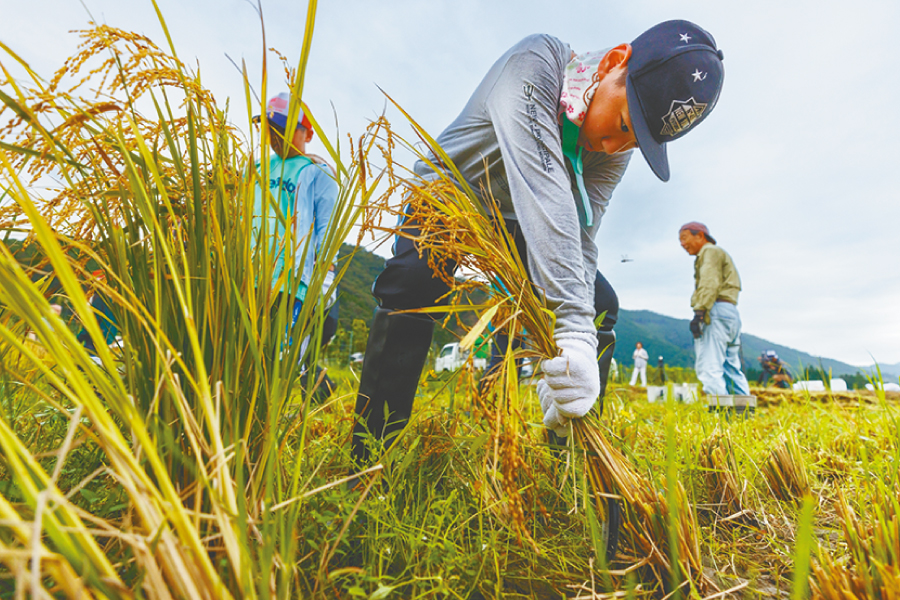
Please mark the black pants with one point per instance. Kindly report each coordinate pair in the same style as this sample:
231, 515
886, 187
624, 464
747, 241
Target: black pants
408, 282
329, 326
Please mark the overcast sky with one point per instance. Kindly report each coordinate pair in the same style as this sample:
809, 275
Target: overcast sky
791, 172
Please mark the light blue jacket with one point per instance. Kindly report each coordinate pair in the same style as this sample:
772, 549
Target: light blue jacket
303, 193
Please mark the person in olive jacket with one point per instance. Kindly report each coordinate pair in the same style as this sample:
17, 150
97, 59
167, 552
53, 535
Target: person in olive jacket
716, 325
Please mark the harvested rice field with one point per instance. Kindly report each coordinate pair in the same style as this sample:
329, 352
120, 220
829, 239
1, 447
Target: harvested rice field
807, 484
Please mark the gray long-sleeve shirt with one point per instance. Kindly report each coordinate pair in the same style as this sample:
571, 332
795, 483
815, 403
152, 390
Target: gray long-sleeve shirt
510, 130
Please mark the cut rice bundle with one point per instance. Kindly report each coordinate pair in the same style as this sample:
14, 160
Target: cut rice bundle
785, 470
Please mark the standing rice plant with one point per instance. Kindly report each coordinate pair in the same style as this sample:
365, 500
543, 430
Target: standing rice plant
803, 549
455, 229
156, 188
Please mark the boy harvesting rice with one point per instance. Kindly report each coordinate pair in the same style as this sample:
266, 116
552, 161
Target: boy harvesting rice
550, 134
303, 193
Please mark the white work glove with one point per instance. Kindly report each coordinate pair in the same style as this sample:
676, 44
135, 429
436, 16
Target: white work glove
573, 378
552, 419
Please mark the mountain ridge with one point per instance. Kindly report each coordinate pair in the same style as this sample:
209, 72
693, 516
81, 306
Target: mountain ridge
661, 335
671, 338
664, 336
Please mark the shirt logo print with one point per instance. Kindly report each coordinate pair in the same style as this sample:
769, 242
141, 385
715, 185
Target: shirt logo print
535, 128
682, 114
287, 185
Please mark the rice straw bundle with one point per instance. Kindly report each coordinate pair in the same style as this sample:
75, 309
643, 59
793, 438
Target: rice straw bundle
873, 566
454, 228
785, 470
721, 475
649, 514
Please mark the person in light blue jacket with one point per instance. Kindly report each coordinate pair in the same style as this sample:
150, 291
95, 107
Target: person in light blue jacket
302, 193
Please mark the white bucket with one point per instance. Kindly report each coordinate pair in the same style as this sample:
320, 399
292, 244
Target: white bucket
681, 392
816, 385
656, 393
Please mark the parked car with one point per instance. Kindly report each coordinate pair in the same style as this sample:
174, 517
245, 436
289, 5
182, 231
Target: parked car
450, 358
357, 358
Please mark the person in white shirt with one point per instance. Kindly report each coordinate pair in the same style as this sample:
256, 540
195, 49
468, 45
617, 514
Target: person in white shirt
640, 364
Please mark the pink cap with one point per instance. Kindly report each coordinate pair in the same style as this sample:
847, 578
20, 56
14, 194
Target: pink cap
696, 227
277, 112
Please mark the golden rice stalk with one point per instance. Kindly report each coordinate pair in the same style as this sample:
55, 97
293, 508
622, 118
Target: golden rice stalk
785, 470
456, 230
723, 483
872, 567
83, 98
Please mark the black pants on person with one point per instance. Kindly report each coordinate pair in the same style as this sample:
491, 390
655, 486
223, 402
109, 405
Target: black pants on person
329, 326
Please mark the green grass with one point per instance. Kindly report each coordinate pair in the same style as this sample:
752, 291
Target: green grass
436, 529
431, 521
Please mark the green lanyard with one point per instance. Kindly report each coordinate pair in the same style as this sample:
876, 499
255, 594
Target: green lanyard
571, 151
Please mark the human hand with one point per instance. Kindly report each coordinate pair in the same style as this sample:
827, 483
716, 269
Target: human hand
552, 419
572, 379
696, 330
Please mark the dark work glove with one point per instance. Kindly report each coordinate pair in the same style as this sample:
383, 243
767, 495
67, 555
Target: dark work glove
695, 323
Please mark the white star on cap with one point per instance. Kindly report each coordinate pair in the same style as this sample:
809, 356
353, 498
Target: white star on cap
685, 38
698, 76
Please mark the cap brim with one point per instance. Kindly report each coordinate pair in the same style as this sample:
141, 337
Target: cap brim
274, 119
654, 152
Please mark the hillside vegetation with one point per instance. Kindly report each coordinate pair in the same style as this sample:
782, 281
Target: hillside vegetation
661, 335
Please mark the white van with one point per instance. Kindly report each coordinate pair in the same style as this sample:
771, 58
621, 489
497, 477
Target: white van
450, 358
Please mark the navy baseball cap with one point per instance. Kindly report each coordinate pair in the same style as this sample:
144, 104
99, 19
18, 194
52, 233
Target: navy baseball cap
675, 75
